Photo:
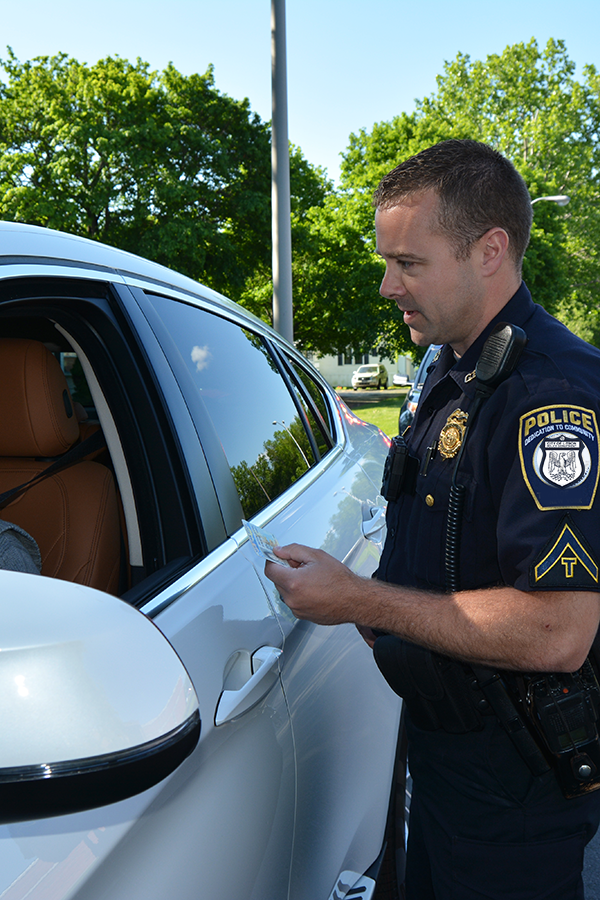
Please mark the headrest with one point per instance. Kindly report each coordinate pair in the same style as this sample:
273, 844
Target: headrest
36, 411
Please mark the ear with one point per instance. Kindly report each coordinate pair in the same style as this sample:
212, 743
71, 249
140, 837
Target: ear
493, 248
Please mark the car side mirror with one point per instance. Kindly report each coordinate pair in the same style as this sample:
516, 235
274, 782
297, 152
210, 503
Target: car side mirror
96, 706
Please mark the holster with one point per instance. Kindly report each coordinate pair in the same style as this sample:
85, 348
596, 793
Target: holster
551, 719
440, 693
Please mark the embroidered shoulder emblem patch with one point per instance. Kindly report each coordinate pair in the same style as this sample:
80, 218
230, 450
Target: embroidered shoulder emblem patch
558, 448
566, 561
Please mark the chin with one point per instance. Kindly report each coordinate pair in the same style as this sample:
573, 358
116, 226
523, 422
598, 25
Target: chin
421, 340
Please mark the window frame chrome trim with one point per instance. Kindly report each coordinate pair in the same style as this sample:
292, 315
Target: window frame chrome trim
221, 554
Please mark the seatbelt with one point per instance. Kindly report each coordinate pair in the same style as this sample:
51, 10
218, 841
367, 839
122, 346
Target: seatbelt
79, 451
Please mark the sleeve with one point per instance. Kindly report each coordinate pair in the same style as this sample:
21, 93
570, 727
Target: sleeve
18, 550
548, 528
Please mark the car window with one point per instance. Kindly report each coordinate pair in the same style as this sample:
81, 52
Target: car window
253, 412
76, 380
315, 407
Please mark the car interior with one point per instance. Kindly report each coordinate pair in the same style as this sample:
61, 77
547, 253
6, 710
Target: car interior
85, 516
73, 514
91, 454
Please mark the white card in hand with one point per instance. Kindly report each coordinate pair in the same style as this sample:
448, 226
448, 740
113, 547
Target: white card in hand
263, 543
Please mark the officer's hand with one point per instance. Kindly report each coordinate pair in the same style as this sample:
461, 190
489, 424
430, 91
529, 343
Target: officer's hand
367, 634
317, 587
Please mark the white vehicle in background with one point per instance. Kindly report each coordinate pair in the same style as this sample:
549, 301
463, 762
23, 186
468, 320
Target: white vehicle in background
169, 728
370, 375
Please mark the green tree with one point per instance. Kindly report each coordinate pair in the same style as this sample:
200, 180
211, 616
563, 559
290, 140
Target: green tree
160, 164
335, 281
157, 163
527, 104
164, 165
283, 459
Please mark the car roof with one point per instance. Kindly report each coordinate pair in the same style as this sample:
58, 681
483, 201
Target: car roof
33, 246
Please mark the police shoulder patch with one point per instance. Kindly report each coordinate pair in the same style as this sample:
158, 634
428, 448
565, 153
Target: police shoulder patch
558, 448
565, 562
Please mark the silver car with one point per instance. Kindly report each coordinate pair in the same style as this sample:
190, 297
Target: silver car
370, 375
169, 728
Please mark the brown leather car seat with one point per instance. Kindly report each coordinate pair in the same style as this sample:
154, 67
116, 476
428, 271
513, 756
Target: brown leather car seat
73, 515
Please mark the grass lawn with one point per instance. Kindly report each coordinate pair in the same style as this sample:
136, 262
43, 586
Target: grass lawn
383, 413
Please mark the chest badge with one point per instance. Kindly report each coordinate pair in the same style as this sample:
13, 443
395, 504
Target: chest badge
451, 435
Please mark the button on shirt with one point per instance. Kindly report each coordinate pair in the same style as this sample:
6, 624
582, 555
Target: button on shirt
529, 467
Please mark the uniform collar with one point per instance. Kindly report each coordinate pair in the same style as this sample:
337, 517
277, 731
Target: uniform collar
517, 311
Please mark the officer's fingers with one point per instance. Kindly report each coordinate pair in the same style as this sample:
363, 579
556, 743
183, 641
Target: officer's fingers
297, 554
285, 579
284, 553
275, 572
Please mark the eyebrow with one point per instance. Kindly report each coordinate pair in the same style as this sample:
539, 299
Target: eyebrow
410, 257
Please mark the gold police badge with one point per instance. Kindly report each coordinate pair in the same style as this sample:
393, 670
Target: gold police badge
451, 435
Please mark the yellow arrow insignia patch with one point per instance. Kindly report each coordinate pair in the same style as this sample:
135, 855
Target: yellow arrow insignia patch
565, 562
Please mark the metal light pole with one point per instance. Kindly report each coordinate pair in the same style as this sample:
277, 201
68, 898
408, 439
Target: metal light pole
559, 199
283, 316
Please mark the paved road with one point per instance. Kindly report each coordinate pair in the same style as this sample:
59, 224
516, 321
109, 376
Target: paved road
372, 396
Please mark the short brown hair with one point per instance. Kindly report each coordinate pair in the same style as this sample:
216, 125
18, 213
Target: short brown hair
478, 189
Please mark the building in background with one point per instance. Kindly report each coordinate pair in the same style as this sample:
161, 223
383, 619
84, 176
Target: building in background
337, 370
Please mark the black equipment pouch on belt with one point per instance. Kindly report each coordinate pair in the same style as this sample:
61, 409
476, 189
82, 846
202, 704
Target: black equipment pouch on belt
552, 719
400, 470
563, 710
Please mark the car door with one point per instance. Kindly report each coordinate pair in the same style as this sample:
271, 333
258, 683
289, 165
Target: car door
344, 716
222, 825
293, 468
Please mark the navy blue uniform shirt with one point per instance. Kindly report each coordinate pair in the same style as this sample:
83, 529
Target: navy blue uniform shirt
529, 467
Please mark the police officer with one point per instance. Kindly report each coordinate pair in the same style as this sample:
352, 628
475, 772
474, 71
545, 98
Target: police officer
452, 226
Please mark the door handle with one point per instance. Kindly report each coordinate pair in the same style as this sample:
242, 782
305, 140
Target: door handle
265, 672
373, 528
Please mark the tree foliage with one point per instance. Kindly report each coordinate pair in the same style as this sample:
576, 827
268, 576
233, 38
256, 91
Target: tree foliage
283, 459
335, 281
162, 164
527, 104
156, 163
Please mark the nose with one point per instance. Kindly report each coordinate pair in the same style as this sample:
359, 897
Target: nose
392, 285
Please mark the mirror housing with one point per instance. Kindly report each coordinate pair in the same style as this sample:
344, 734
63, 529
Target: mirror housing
96, 706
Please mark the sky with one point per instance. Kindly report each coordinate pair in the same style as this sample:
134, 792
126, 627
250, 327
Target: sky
350, 63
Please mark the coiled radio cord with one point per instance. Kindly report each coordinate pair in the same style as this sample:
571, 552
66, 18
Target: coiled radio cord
499, 357
456, 503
